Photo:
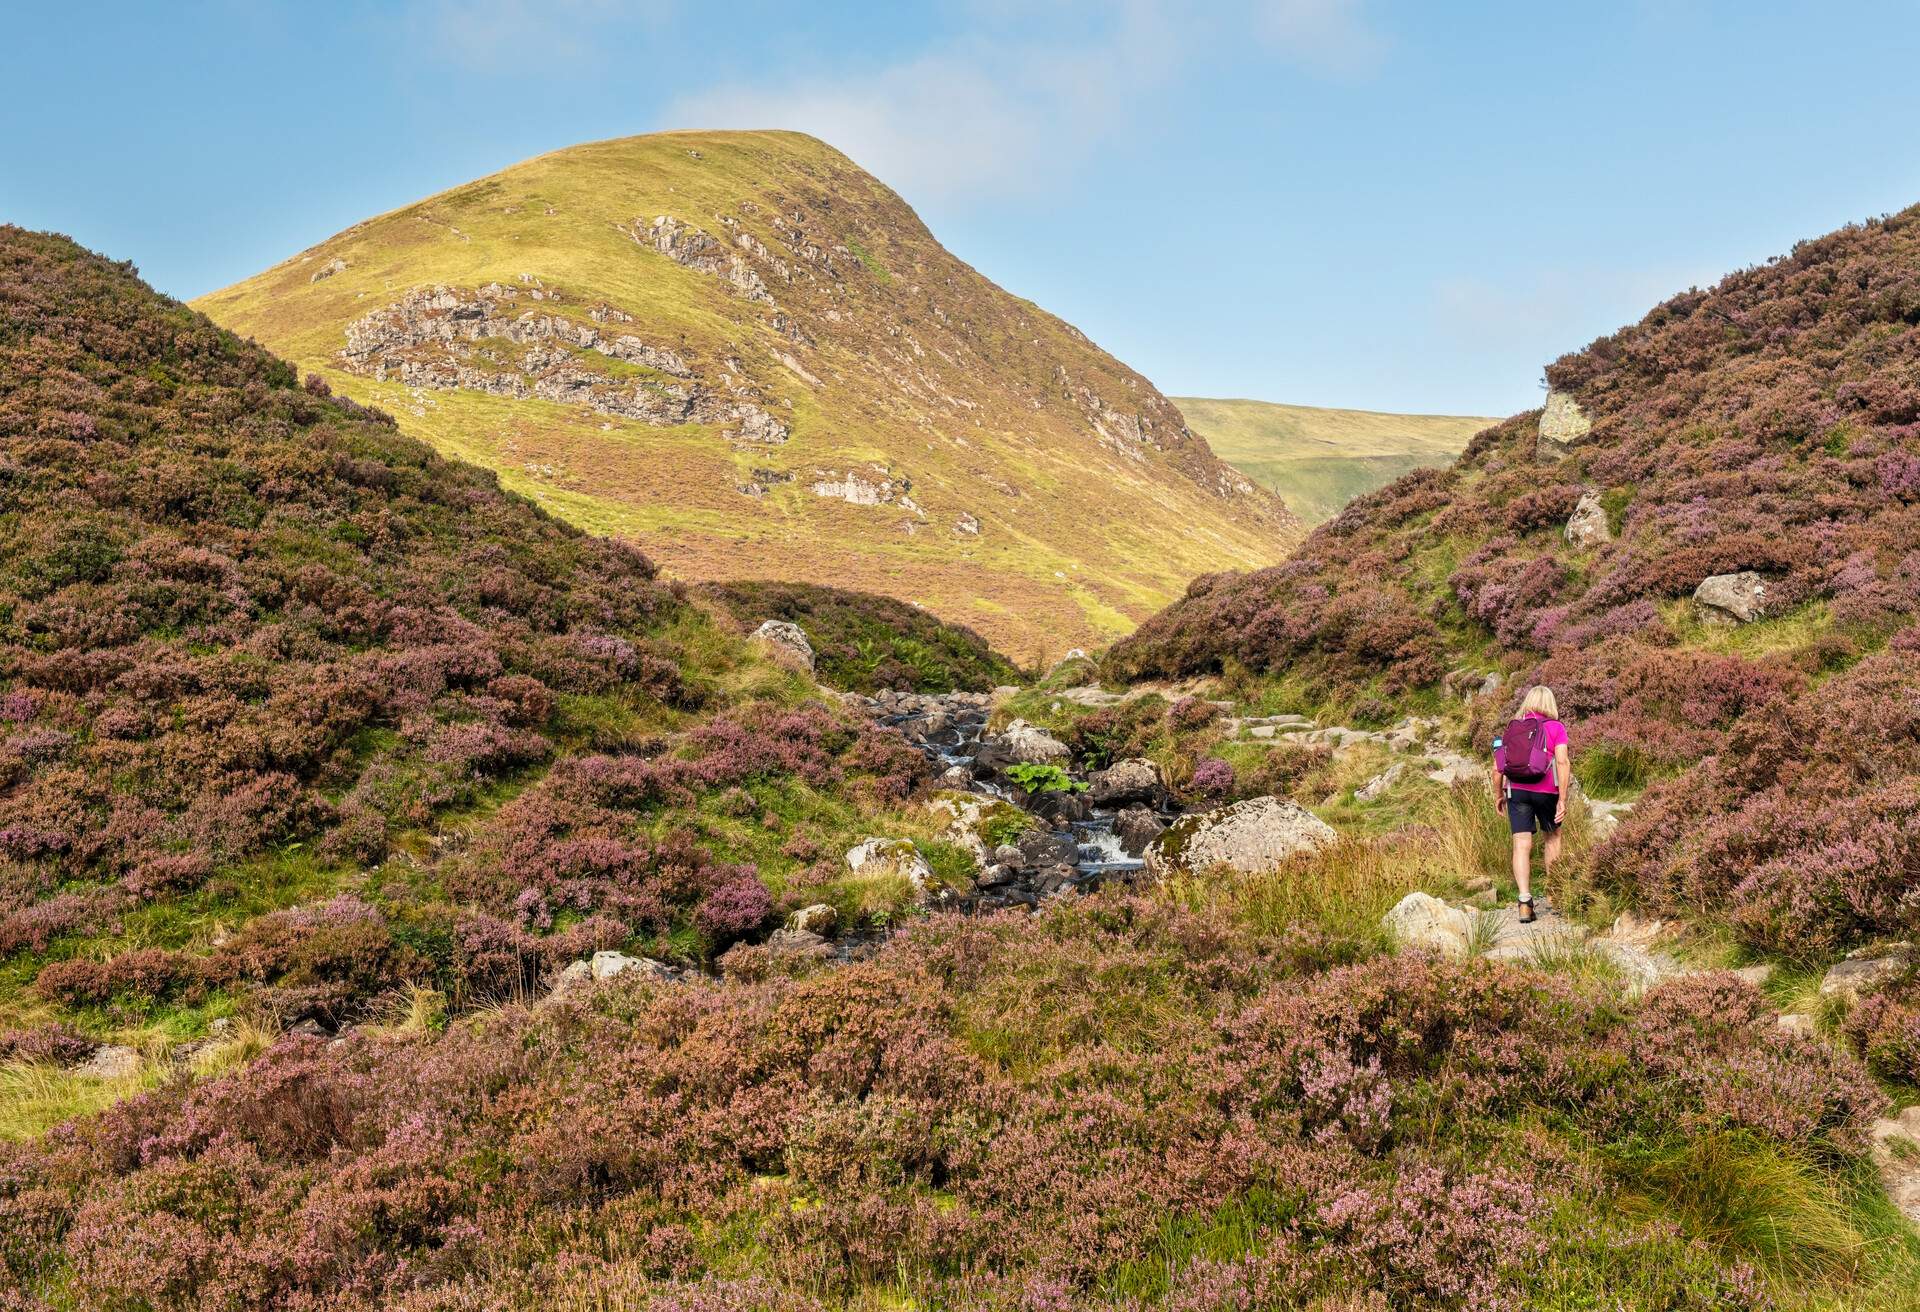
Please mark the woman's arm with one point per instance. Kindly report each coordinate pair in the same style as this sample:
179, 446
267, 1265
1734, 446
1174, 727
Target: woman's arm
1563, 775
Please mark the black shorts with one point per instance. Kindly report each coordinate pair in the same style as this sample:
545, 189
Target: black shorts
1525, 808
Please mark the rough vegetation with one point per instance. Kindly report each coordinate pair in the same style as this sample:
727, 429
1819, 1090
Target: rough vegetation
1319, 459
749, 356
362, 790
1229, 1120
297, 715
1771, 424
864, 642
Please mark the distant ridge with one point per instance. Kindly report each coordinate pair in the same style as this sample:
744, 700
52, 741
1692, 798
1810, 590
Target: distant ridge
1318, 459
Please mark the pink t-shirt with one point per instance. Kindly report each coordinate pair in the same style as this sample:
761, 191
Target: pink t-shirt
1554, 736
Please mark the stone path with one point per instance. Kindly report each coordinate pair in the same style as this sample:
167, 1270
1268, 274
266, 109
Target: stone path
1422, 921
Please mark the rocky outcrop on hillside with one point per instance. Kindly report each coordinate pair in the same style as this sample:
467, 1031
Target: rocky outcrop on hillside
816, 343
446, 338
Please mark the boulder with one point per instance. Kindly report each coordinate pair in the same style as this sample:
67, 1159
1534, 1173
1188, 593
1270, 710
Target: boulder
607, 964
1251, 837
1026, 744
571, 977
1133, 780
891, 856
1424, 922
1381, 784
327, 270
1896, 1152
785, 643
1450, 768
1733, 598
1562, 423
1136, 827
1044, 847
110, 1061
1587, 526
1796, 1022
1604, 817
1866, 970
818, 919
798, 942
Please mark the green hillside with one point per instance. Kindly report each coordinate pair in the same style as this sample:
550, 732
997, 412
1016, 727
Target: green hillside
749, 356
1319, 459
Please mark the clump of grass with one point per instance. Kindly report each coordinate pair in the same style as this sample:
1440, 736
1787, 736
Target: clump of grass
1475, 842
36, 1096
1761, 1202
1344, 889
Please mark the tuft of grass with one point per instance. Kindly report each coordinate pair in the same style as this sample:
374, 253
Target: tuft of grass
36, 1096
1344, 889
1756, 1201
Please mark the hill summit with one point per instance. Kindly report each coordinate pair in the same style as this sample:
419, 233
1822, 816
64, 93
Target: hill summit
750, 356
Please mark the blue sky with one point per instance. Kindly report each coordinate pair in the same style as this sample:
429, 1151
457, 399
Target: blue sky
1338, 202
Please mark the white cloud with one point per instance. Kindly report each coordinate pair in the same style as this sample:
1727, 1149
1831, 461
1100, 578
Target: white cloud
1014, 106
1330, 36
498, 35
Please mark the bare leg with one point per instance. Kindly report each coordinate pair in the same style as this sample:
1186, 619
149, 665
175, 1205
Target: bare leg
1551, 853
1523, 864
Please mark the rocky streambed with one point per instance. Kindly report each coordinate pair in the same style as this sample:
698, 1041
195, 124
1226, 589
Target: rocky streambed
1093, 831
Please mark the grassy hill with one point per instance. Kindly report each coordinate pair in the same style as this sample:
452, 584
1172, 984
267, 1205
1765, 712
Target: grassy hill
749, 357
1318, 459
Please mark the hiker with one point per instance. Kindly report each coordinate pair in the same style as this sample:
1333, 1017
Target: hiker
1530, 779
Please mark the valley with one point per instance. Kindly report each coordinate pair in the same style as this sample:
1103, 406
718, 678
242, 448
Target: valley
1318, 459
536, 773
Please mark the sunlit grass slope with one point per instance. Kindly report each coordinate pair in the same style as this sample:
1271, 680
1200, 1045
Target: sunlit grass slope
1319, 459
1042, 492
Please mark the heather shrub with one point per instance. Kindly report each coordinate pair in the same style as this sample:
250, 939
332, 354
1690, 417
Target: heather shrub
991, 1110
1884, 1028
203, 642
1801, 834
863, 642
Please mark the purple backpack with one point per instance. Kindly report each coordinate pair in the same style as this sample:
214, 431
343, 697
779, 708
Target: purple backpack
1524, 757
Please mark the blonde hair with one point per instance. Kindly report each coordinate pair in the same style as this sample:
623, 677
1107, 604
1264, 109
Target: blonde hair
1540, 698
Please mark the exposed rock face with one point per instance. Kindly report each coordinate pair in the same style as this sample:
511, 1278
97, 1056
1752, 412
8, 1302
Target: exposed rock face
1422, 921
1251, 837
891, 856
1133, 780
1562, 423
1587, 526
1733, 598
443, 338
327, 270
688, 246
876, 487
1866, 970
785, 643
